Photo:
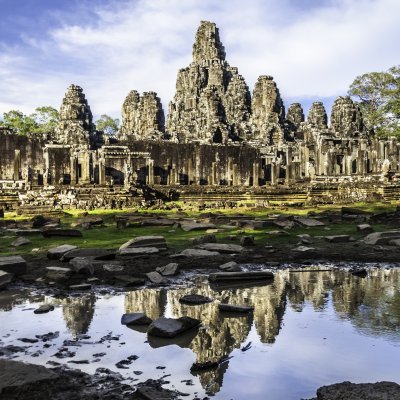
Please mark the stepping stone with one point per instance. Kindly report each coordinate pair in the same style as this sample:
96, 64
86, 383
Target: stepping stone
308, 222
56, 253
137, 318
155, 277
338, 238
194, 299
234, 308
170, 327
170, 269
380, 237
82, 264
14, 265
196, 226
238, 276
44, 308
230, 266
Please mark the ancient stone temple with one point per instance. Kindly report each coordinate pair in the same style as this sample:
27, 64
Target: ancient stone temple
219, 143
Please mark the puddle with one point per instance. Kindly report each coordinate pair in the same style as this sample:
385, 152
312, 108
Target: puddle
308, 329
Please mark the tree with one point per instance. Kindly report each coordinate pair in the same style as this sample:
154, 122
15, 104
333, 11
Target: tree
379, 99
19, 122
47, 118
107, 125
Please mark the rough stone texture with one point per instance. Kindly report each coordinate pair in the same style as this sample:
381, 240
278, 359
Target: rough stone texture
317, 117
212, 101
145, 241
56, 253
142, 117
346, 118
365, 391
221, 247
170, 327
135, 319
379, 238
136, 251
155, 277
195, 299
5, 279
76, 120
199, 253
58, 273
170, 269
230, 266
93, 253
21, 241
268, 112
234, 308
295, 116
14, 265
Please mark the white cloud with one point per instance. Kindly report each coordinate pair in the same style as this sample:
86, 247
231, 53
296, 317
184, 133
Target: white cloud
314, 52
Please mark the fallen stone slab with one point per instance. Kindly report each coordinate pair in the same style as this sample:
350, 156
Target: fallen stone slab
338, 238
230, 266
82, 264
58, 273
56, 253
380, 238
358, 391
44, 308
81, 286
199, 253
196, 226
303, 249
93, 253
155, 277
23, 232
16, 373
21, 241
137, 318
284, 223
170, 269
170, 327
210, 238
159, 222
145, 241
395, 242
138, 251
221, 247
365, 228
61, 233
234, 308
5, 279
308, 222
194, 299
240, 276
14, 265
113, 267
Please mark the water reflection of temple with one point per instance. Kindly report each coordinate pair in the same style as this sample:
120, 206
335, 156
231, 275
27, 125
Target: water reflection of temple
78, 313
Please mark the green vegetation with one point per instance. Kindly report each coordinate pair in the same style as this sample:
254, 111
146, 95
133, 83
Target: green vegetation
108, 236
107, 125
378, 94
43, 121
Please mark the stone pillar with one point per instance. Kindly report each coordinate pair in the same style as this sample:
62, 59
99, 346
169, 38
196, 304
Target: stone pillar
213, 180
150, 171
273, 173
85, 166
102, 171
235, 175
73, 169
190, 172
229, 173
256, 174
17, 165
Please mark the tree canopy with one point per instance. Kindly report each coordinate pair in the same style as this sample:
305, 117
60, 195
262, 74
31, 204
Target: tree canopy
42, 121
378, 94
107, 125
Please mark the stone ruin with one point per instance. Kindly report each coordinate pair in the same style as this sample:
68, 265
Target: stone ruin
217, 136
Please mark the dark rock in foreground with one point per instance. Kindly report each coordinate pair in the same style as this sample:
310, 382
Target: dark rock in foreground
237, 276
170, 327
137, 318
194, 299
94, 253
15, 265
364, 391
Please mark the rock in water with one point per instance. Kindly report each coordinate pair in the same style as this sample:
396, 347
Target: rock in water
234, 308
170, 327
230, 266
44, 308
194, 299
137, 318
237, 276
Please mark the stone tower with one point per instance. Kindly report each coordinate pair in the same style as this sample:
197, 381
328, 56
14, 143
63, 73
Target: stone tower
268, 112
346, 118
76, 120
212, 101
142, 117
317, 117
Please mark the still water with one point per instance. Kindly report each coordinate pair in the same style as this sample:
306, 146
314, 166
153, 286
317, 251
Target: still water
308, 329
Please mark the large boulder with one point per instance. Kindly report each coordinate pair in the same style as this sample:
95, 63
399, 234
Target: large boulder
230, 266
93, 253
137, 318
14, 265
170, 269
82, 264
155, 277
171, 327
381, 237
56, 253
364, 391
58, 273
194, 299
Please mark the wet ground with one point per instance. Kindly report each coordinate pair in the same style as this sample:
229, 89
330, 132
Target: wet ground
308, 329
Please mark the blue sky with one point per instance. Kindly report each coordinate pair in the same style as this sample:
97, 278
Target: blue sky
313, 48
